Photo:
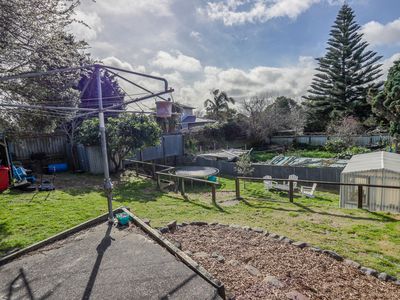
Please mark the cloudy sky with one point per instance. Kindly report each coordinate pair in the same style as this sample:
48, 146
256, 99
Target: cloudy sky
244, 47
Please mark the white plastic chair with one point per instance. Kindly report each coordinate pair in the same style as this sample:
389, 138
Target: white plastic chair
268, 183
294, 177
308, 191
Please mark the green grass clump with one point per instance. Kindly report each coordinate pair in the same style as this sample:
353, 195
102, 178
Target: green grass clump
371, 238
263, 156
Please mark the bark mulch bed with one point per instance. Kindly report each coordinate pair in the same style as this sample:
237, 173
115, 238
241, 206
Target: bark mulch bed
255, 265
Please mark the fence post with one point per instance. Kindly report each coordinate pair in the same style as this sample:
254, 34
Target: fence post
182, 186
213, 193
158, 181
360, 196
137, 169
237, 188
153, 169
291, 190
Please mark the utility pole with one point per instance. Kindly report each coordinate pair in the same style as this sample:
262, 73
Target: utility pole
107, 181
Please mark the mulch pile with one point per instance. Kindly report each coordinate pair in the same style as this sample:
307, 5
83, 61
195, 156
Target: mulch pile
255, 266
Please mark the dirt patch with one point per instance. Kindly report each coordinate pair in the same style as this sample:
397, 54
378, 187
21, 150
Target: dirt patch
255, 266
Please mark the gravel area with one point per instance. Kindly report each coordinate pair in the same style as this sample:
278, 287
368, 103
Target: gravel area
253, 265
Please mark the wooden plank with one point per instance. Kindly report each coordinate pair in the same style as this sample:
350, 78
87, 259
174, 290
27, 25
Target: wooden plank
237, 188
360, 196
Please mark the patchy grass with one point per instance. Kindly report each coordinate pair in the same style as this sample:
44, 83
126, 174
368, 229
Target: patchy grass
262, 156
370, 238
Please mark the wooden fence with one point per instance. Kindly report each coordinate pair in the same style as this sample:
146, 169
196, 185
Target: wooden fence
22, 147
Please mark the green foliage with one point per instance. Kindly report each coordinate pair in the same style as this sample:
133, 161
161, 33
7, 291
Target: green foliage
232, 130
345, 74
213, 132
243, 165
263, 156
335, 145
349, 152
190, 145
260, 156
35, 36
124, 135
386, 104
218, 108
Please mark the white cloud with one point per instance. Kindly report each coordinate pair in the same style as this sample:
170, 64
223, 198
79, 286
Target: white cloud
382, 34
136, 7
176, 61
196, 35
233, 12
292, 81
117, 63
89, 31
388, 63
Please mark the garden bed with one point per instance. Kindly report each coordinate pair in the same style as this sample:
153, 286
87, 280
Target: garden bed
256, 265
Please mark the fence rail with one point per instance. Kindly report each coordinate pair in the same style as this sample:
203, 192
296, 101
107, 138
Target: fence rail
360, 186
180, 180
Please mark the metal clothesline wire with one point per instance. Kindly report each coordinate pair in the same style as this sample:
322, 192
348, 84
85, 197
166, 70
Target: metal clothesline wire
135, 84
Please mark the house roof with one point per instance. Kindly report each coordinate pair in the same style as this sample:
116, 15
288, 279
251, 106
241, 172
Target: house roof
184, 105
194, 119
380, 160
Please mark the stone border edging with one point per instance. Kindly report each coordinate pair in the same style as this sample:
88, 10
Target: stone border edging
281, 238
59, 236
187, 260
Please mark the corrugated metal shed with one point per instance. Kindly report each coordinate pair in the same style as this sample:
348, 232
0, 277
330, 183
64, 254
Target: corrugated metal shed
374, 161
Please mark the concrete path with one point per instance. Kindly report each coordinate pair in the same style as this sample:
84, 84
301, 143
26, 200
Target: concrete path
102, 262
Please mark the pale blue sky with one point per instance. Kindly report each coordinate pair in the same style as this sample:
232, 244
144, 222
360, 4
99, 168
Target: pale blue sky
242, 46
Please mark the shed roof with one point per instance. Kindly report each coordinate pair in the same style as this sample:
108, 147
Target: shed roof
374, 161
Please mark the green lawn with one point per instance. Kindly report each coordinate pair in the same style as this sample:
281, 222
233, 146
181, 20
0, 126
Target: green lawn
370, 238
261, 156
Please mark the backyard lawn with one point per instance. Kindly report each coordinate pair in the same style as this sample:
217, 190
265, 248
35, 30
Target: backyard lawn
367, 237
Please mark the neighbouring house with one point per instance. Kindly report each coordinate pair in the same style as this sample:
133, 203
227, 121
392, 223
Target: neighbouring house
188, 119
375, 168
183, 119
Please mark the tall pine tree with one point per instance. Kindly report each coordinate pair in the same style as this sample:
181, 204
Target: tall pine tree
345, 74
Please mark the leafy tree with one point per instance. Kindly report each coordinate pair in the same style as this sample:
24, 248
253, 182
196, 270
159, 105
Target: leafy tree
386, 104
125, 135
111, 91
345, 129
345, 74
34, 37
243, 166
218, 108
264, 118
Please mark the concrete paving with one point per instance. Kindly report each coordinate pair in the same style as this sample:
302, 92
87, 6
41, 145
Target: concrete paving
102, 262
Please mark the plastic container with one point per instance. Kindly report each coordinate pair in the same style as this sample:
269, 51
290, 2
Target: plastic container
123, 218
212, 178
164, 109
4, 178
56, 168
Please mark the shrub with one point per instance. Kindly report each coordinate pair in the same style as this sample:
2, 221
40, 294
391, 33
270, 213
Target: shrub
335, 145
348, 153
